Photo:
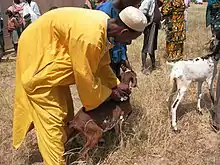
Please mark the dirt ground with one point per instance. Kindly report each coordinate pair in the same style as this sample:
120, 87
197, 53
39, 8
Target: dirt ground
149, 139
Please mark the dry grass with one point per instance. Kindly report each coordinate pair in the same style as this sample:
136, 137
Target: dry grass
149, 138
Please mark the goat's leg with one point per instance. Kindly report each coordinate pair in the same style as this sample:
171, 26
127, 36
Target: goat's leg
199, 96
93, 134
84, 151
172, 92
175, 105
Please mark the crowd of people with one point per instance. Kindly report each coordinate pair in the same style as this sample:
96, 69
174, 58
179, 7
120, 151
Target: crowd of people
20, 15
64, 51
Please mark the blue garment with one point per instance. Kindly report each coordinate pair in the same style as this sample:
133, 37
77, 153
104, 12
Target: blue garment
119, 52
213, 14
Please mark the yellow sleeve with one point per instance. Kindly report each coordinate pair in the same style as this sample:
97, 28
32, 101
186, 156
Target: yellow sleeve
106, 73
85, 61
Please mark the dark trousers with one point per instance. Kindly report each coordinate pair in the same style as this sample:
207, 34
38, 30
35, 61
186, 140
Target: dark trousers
216, 117
150, 43
216, 114
2, 43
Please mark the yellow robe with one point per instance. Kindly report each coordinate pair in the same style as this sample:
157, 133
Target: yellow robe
64, 46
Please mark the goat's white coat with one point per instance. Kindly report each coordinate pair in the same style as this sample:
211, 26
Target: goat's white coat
184, 72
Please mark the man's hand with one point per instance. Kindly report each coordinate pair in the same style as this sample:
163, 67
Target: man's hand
122, 90
115, 95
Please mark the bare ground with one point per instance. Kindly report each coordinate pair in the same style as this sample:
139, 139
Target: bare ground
149, 139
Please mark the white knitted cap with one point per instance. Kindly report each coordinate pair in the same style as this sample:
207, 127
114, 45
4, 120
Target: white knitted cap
133, 18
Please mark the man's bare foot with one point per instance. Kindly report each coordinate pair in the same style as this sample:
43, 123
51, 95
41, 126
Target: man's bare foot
153, 67
146, 71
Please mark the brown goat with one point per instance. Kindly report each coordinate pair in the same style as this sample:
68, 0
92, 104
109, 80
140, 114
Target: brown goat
107, 116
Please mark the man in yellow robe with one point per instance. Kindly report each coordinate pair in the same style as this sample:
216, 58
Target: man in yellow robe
66, 46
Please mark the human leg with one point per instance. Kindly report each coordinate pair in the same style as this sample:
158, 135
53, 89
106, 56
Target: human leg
50, 115
2, 43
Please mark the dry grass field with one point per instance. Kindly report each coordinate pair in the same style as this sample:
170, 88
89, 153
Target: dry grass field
149, 139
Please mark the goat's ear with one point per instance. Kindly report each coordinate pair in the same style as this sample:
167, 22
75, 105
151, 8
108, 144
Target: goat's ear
132, 71
134, 81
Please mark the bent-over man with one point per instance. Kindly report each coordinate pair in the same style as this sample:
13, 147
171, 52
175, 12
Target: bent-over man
55, 53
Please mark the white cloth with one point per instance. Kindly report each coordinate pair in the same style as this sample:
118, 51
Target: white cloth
133, 18
147, 7
33, 10
199, 1
187, 3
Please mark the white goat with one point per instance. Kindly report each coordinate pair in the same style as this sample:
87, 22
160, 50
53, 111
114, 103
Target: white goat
184, 72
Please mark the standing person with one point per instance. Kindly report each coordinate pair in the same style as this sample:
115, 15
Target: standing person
200, 2
151, 10
173, 12
118, 53
187, 4
13, 28
31, 12
215, 123
90, 4
2, 43
17, 10
215, 22
55, 53
212, 14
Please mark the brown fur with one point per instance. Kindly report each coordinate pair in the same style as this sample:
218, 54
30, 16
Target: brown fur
107, 116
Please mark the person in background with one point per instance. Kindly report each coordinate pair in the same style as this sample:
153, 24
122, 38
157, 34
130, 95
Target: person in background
215, 122
173, 12
55, 52
92, 4
31, 12
200, 2
118, 53
151, 10
212, 13
187, 5
13, 28
2, 43
17, 10
213, 19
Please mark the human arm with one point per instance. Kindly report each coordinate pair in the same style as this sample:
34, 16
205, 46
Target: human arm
14, 20
85, 59
105, 72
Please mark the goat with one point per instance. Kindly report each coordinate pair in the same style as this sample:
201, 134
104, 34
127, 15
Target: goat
108, 115
184, 72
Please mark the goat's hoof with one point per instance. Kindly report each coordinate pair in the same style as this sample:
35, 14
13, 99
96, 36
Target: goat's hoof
176, 130
200, 111
101, 142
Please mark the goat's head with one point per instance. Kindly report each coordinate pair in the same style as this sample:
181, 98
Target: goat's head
130, 78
